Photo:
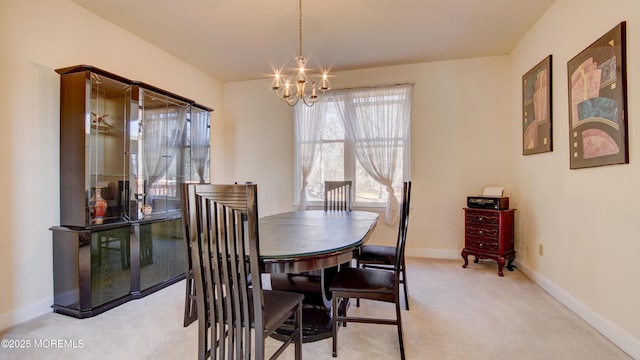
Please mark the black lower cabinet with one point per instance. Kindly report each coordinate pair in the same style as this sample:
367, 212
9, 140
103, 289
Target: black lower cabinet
95, 270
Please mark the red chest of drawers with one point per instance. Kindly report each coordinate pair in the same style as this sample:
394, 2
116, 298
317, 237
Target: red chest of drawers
488, 234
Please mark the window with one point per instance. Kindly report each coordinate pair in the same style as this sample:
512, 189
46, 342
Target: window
331, 163
360, 135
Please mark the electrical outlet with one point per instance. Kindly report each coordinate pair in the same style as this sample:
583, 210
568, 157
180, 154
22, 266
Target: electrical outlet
541, 250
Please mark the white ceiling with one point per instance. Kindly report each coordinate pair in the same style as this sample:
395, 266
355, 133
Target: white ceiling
236, 40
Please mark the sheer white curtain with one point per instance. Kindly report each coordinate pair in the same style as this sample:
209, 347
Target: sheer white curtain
308, 128
161, 135
199, 141
377, 124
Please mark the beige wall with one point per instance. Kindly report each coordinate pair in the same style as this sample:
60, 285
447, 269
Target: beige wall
37, 37
459, 143
587, 219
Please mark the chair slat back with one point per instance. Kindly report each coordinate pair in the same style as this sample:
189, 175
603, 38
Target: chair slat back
192, 229
225, 243
403, 223
337, 195
187, 209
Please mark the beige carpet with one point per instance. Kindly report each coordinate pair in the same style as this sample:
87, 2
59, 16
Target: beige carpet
455, 313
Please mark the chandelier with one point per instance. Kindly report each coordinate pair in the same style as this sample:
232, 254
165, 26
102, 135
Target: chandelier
291, 93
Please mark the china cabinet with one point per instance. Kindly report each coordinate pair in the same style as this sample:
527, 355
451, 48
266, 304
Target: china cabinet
125, 148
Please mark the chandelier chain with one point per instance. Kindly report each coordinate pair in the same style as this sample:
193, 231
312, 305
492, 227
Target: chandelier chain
300, 27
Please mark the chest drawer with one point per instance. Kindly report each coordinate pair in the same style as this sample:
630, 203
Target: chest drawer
490, 232
482, 217
481, 244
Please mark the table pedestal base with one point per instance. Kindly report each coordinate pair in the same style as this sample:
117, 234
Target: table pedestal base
316, 307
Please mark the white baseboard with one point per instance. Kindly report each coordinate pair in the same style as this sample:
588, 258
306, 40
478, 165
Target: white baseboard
618, 336
25, 313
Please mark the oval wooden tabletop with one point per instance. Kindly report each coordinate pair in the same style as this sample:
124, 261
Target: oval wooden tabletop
310, 234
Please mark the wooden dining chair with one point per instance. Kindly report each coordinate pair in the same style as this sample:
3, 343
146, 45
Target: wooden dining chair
384, 257
373, 284
337, 195
223, 223
188, 212
195, 284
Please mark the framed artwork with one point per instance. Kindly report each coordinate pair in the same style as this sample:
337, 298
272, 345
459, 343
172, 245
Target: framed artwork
536, 109
598, 102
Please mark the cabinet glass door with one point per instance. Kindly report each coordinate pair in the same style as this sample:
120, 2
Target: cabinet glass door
110, 265
106, 148
160, 154
163, 254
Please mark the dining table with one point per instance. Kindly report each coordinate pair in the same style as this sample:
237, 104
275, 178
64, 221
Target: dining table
303, 250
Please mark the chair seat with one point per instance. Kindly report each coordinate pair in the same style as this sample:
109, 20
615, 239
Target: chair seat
378, 253
364, 281
279, 305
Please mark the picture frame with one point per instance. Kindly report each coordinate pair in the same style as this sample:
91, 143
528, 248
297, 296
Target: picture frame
537, 124
598, 102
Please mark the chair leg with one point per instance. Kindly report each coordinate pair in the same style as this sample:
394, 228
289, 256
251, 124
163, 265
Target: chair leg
203, 340
189, 303
404, 283
260, 347
399, 319
358, 299
298, 341
334, 325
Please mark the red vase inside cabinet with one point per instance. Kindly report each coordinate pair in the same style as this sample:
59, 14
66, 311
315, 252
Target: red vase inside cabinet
488, 234
98, 206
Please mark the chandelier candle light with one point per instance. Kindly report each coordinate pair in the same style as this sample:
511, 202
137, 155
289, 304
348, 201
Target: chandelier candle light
286, 94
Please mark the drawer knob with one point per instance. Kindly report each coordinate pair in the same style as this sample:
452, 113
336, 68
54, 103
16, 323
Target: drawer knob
480, 218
